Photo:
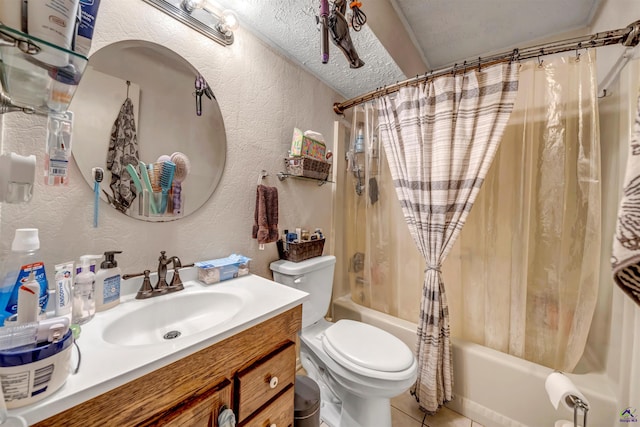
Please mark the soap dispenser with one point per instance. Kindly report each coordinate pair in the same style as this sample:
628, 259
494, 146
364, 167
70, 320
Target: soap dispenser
84, 303
108, 282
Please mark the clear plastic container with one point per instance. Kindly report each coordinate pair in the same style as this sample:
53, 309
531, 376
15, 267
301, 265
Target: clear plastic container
84, 287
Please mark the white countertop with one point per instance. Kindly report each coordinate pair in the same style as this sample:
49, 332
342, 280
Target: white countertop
105, 366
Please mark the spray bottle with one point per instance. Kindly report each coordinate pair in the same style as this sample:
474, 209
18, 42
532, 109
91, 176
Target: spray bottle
84, 303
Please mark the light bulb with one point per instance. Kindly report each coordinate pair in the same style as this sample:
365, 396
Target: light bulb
230, 20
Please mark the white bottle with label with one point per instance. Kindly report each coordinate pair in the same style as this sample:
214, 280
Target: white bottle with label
53, 21
64, 289
84, 302
28, 295
108, 282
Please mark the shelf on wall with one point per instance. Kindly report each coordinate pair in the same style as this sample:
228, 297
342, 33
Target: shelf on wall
37, 76
283, 175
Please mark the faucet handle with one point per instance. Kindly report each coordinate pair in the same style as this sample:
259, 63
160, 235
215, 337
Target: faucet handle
146, 290
176, 281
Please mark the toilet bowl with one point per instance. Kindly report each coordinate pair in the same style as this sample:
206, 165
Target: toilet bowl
358, 367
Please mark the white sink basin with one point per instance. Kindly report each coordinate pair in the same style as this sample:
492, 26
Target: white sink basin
168, 318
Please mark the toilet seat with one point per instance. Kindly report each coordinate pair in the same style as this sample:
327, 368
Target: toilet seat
368, 351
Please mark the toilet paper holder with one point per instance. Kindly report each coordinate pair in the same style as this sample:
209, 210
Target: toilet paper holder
578, 404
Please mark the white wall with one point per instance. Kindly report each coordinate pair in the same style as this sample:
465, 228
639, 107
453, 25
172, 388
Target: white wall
615, 334
262, 97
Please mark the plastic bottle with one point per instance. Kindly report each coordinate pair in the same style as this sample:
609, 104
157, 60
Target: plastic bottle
108, 282
84, 303
23, 259
359, 145
28, 295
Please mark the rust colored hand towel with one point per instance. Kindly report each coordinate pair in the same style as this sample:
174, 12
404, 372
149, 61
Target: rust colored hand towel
265, 228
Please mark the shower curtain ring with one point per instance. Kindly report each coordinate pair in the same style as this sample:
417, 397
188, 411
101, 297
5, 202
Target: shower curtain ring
539, 59
479, 64
515, 55
464, 69
578, 52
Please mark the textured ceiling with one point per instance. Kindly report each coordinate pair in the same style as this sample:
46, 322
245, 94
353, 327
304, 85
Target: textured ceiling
435, 32
453, 30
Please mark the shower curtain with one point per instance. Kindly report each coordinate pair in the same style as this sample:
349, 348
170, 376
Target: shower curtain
554, 118
440, 138
523, 278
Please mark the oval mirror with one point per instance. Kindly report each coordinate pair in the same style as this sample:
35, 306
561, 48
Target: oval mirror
171, 129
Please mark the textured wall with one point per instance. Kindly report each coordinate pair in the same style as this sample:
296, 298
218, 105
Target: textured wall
262, 97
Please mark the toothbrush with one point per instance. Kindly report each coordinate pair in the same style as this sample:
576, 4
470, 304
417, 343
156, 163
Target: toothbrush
98, 174
147, 183
183, 166
166, 179
134, 177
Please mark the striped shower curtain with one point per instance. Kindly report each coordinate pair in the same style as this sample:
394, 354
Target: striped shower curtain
440, 138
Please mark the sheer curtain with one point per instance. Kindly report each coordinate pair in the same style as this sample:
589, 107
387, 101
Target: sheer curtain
523, 277
440, 138
383, 261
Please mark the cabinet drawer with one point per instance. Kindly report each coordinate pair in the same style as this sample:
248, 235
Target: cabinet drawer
262, 381
200, 411
277, 414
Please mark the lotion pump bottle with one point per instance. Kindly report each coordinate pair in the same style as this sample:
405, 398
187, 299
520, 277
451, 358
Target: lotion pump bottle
84, 303
108, 282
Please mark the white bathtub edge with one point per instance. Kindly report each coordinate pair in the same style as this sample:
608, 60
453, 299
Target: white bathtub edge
475, 366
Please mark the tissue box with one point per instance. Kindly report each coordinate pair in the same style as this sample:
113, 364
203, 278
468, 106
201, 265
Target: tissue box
218, 270
306, 147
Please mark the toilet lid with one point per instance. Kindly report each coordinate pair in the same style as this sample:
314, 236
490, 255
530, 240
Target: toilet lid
367, 346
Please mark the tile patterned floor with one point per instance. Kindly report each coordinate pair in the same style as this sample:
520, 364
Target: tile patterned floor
405, 413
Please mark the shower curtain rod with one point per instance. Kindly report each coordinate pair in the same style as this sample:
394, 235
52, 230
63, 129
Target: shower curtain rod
629, 36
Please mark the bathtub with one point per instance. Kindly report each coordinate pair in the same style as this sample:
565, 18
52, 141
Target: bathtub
496, 389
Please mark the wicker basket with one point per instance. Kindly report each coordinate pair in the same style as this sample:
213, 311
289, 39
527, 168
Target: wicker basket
300, 251
308, 167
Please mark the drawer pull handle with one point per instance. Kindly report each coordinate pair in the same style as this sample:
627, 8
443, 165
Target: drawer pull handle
273, 383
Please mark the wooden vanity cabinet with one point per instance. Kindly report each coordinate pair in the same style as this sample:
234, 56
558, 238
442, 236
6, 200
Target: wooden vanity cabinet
264, 383
237, 373
201, 411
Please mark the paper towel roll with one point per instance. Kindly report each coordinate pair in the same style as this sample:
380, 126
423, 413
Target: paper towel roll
560, 388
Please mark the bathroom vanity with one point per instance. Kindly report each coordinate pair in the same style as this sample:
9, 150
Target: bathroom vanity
246, 362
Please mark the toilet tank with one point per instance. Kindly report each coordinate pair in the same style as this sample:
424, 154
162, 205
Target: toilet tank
314, 276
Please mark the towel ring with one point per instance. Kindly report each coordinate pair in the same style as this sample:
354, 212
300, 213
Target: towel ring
263, 174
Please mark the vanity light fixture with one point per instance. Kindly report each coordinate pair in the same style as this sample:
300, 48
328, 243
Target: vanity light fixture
199, 15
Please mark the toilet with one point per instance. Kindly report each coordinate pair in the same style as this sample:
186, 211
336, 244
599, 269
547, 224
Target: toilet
358, 367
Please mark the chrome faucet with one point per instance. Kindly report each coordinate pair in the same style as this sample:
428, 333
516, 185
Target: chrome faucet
162, 287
